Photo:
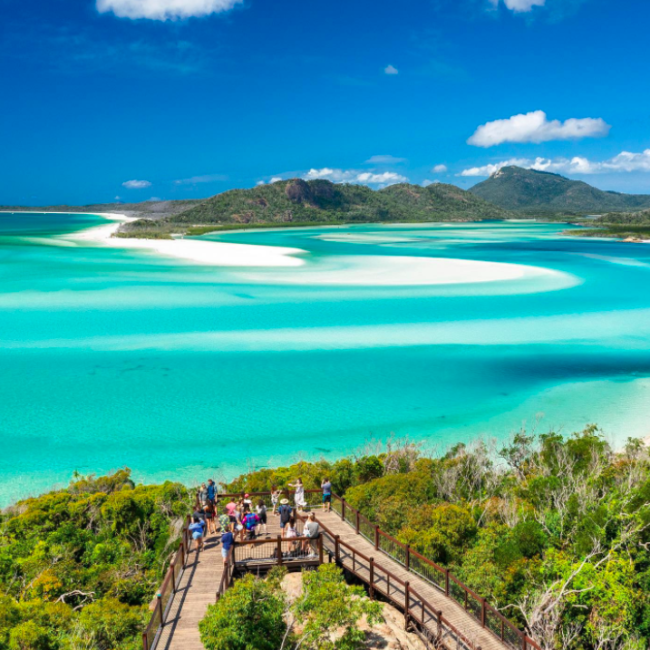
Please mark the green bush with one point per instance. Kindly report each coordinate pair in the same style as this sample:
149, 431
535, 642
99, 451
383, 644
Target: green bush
248, 617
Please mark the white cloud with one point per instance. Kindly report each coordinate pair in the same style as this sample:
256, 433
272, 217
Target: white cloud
385, 160
439, 169
427, 182
165, 9
275, 179
535, 127
391, 69
260, 183
136, 185
355, 176
519, 6
208, 178
626, 161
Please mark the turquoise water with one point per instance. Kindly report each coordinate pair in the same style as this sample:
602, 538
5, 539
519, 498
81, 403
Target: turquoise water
113, 357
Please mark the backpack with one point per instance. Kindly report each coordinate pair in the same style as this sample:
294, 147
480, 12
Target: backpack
250, 522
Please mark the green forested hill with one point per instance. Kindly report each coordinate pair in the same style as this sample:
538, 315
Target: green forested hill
319, 201
528, 190
78, 567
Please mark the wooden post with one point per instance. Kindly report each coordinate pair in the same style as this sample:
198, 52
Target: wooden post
173, 576
320, 548
343, 509
145, 641
372, 578
439, 631
524, 645
160, 609
337, 548
465, 599
279, 550
483, 612
376, 538
408, 557
406, 605
502, 630
446, 582
357, 522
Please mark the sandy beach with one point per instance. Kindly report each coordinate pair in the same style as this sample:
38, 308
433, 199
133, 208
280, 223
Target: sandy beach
201, 252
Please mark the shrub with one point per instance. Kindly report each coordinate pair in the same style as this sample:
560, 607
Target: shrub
248, 617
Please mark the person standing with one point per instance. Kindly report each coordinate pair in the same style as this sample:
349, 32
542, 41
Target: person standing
227, 542
285, 513
299, 496
196, 529
251, 522
209, 513
275, 497
292, 534
224, 521
312, 531
203, 494
326, 486
212, 492
261, 513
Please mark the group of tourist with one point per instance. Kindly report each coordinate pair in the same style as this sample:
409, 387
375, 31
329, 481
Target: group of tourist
240, 519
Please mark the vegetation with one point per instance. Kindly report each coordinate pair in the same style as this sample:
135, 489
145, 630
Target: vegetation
329, 610
553, 531
78, 567
542, 193
255, 614
320, 202
632, 226
250, 616
631, 232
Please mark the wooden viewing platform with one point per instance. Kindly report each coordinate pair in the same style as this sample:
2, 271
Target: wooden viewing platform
436, 605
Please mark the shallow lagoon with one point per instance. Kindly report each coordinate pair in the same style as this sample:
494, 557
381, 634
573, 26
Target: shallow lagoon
116, 357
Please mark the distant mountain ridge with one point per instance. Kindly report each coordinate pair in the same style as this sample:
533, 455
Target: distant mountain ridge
529, 190
297, 200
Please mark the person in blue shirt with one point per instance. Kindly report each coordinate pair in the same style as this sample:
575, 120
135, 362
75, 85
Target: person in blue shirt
197, 528
212, 491
227, 541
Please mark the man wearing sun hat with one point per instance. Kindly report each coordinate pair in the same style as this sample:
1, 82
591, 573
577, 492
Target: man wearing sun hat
285, 511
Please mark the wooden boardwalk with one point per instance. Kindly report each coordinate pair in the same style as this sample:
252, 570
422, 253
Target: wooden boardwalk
197, 590
203, 572
466, 624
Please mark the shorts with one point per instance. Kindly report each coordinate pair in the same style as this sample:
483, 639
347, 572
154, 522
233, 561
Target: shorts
224, 552
197, 535
327, 498
262, 518
233, 519
283, 524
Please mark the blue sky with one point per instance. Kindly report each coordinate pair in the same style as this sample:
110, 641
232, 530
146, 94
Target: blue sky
187, 98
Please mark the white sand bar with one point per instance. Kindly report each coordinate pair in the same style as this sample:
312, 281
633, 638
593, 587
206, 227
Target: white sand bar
193, 250
372, 270
335, 270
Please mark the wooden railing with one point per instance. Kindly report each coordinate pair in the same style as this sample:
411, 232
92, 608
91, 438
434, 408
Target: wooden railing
169, 586
440, 577
431, 623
